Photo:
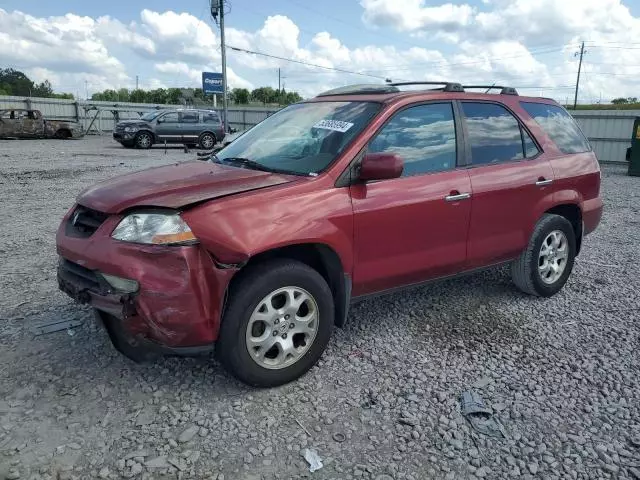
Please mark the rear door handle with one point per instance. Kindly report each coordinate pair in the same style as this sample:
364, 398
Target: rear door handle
457, 196
542, 182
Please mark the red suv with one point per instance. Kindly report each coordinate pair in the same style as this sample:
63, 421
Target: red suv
359, 191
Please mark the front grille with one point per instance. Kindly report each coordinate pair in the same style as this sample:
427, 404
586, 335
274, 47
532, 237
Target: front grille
81, 277
85, 221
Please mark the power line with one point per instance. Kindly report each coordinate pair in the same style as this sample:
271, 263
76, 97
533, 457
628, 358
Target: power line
444, 63
237, 49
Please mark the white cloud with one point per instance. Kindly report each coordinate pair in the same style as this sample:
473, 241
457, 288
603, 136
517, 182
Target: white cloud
415, 15
194, 75
495, 41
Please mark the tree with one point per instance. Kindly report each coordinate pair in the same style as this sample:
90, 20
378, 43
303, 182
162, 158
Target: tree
265, 95
174, 95
619, 101
43, 89
240, 96
292, 97
15, 82
138, 96
159, 95
123, 95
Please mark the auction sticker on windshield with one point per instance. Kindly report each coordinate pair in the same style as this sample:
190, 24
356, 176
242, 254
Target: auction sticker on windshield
335, 125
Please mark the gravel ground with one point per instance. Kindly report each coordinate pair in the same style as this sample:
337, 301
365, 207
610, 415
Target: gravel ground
561, 374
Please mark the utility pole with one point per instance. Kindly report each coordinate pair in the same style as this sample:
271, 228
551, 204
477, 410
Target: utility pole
137, 83
217, 10
581, 53
279, 90
86, 89
224, 66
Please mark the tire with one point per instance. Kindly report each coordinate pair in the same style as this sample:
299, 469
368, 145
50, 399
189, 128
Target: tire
271, 367
529, 270
63, 134
124, 343
144, 140
207, 141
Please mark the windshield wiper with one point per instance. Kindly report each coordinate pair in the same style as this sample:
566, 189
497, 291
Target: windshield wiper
252, 164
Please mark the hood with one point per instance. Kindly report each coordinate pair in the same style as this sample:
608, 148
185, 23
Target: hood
175, 186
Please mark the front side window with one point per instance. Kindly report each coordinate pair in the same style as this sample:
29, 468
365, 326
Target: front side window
169, 118
494, 133
424, 137
303, 138
559, 125
147, 117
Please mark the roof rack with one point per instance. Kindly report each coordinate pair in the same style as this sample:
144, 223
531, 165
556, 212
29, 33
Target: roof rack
446, 86
503, 90
361, 89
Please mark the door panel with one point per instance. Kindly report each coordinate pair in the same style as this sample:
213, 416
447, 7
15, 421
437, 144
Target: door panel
511, 182
506, 205
406, 231
168, 128
190, 126
413, 228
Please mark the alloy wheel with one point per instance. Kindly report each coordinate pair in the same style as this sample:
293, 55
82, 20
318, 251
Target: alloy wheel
282, 327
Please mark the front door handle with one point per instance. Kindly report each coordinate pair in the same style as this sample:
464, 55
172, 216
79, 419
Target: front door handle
454, 197
542, 182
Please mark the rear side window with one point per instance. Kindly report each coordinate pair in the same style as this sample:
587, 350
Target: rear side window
211, 118
494, 134
424, 137
190, 117
559, 125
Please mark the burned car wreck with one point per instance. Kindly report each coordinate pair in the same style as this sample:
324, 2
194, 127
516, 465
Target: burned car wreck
24, 123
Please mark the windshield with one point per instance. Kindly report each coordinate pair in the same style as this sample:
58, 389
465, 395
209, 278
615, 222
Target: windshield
147, 117
304, 138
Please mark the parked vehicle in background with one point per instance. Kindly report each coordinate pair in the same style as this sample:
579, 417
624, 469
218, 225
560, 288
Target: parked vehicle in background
360, 191
24, 123
191, 127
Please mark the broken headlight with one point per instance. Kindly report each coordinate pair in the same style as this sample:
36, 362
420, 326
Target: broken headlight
154, 228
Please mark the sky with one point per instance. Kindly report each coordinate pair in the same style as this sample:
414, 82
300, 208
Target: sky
83, 47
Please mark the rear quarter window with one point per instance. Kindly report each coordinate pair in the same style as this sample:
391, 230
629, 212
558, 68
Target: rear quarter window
559, 125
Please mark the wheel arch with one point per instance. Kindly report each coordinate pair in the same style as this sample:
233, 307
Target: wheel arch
319, 256
63, 132
211, 132
154, 137
573, 213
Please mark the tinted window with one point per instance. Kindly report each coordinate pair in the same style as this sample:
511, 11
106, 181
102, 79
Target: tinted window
559, 125
494, 134
211, 118
190, 117
423, 136
170, 118
530, 148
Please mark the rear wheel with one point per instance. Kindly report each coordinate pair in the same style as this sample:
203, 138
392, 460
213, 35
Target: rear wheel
63, 134
277, 324
144, 140
207, 141
544, 267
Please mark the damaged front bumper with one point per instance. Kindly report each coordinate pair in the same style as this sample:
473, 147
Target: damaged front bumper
169, 297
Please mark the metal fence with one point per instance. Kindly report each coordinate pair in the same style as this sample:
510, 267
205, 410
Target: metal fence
609, 131
107, 114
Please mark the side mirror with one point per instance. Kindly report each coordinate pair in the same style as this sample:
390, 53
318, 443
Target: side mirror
380, 166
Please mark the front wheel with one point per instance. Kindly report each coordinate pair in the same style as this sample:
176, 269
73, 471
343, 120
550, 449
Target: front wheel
144, 140
544, 267
277, 324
